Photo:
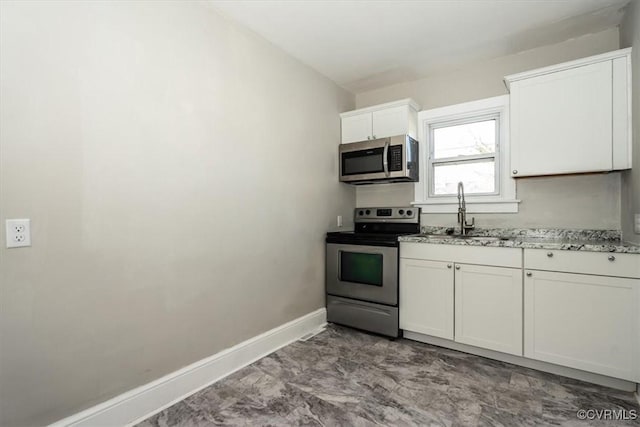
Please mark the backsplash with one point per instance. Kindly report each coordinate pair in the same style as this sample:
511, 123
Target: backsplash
590, 201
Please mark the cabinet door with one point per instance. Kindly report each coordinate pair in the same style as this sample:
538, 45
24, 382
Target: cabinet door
356, 128
561, 122
426, 297
584, 322
391, 122
488, 307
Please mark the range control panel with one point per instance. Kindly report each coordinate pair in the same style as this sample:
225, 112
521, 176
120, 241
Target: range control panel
399, 214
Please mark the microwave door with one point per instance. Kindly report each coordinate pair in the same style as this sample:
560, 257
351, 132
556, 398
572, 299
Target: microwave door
393, 159
366, 160
363, 164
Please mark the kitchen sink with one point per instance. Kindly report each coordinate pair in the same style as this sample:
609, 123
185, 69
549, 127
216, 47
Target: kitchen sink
485, 238
457, 236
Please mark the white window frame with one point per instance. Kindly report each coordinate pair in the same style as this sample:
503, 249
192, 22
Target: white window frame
432, 161
503, 200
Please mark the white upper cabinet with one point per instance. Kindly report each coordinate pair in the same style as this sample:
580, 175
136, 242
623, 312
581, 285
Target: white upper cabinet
380, 121
573, 117
357, 128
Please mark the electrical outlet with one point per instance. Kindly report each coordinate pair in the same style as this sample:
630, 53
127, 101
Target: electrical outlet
339, 221
636, 223
18, 233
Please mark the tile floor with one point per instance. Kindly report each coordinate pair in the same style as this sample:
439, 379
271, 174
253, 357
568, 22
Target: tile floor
343, 377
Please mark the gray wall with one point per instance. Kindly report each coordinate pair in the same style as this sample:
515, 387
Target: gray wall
179, 172
630, 36
581, 201
547, 202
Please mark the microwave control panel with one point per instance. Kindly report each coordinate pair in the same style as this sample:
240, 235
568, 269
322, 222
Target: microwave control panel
395, 158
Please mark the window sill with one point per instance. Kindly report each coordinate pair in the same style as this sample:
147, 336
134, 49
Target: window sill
486, 206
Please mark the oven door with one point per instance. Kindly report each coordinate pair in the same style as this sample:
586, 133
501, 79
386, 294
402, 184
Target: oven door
367, 273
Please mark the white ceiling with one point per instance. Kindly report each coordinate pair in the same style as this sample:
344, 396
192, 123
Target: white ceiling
366, 44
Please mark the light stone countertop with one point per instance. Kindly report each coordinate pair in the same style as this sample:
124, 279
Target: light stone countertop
554, 239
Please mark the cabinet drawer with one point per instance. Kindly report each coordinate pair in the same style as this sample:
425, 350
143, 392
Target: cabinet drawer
601, 263
482, 255
376, 318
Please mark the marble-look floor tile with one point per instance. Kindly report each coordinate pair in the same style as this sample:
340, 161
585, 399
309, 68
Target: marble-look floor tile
344, 377
494, 417
178, 415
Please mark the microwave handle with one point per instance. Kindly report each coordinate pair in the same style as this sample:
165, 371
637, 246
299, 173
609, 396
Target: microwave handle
385, 158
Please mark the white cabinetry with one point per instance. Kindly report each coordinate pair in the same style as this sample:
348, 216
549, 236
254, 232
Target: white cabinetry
584, 321
488, 307
357, 128
426, 297
572, 117
487, 285
380, 121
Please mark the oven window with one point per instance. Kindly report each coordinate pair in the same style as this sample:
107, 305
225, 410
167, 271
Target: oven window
361, 268
365, 161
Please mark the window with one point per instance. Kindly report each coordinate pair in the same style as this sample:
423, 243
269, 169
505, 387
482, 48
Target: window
469, 143
463, 151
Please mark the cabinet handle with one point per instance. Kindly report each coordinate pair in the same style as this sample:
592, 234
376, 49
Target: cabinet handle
550, 254
611, 258
374, 137
457, 267
448, 265
368, 137
529, 274
515, 172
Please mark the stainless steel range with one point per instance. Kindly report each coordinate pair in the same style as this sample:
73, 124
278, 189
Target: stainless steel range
362, 269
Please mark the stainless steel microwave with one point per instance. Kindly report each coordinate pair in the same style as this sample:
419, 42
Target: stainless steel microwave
393, 159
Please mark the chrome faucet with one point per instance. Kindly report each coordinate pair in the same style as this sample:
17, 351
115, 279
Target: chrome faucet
462, 212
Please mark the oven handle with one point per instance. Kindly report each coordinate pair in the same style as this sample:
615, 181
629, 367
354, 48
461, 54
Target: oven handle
385, 158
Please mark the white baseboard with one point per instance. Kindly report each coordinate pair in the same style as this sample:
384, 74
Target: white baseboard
142, 402
603, 380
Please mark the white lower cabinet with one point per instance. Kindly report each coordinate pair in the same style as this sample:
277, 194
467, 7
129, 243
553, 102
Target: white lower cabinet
575, 309
426, 297
488, 307
583, 321
468, 302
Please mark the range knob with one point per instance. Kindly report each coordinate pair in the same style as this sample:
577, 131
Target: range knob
401, 211
360, 213
367, 211
409, 213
